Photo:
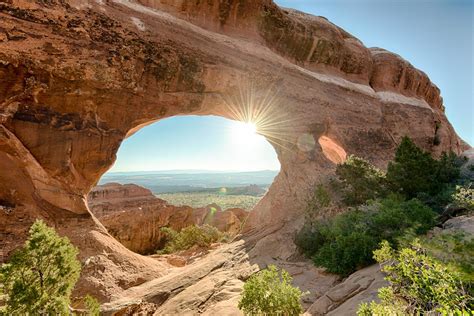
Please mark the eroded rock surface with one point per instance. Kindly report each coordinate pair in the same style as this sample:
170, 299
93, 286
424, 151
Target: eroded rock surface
134, 216
79, 76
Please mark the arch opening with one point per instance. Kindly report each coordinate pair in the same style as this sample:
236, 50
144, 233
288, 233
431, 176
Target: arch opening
183, 171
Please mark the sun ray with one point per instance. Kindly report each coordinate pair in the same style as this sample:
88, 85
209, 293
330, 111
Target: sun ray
261, 112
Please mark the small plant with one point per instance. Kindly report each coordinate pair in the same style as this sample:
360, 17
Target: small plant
361, 181
419, 284
269, 292
464, 197
319, 199
39, 278
202, 236
92, 305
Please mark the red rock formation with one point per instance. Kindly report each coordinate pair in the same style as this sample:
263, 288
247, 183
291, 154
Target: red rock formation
134, 216
79, 76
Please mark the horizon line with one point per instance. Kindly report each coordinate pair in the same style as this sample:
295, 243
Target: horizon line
200, 170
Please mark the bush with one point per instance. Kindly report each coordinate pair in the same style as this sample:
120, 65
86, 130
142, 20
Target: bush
361, 181
269, 292
346, 253
387, 206
92, 305
456, 250
418, 284
39, 278
202, 236
345, 242
395, 216
310, 238
414, 171
318, 200
464, 197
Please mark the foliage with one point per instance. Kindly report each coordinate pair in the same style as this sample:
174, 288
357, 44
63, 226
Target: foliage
269, 292
448, 167
92, 305
39, 278
345, 242
418, 284
201, 199
320, 198
361, 180
346, 253
454, 249
414, 171
393, 216
202, 236
310, 238
464, 197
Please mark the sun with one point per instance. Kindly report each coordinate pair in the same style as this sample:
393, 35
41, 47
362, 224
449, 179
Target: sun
244, 131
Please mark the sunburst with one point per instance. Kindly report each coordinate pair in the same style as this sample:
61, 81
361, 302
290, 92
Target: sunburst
259, 112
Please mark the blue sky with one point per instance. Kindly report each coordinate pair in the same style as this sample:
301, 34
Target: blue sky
195, 142
436, 36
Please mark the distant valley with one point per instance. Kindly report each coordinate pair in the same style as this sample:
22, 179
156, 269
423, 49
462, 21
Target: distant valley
196, 181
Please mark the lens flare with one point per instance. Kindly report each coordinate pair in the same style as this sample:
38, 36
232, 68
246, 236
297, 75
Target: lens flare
244, 130
259, 115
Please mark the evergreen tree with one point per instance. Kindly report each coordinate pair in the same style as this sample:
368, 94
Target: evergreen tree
39, 278
413, 171
361, 180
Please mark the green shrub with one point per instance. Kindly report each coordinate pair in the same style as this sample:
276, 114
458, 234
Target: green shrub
346, 253
39, 278
92, 305
395, 215
387, 206
464, 197
449, 167
319, 199
360, 180
269, 292
345, 242
454, 249
310, 238
414, 171
418, 284
202, 236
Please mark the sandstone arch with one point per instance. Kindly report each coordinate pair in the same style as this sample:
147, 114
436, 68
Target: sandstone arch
77, 77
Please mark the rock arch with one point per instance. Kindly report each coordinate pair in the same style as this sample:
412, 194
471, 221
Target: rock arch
77, 77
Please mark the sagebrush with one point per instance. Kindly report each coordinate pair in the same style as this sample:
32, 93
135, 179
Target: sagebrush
202, 236
418, 285
270, 292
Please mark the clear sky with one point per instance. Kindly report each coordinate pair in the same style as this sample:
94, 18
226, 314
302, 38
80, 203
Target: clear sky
434, 35
196, 142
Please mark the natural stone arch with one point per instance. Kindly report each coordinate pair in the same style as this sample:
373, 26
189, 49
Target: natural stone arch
77, 78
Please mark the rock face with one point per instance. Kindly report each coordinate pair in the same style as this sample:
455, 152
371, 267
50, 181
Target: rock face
79, 76
134, 216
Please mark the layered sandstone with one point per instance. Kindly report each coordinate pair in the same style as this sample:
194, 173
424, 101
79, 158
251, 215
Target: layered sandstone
78, 77
134, 216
